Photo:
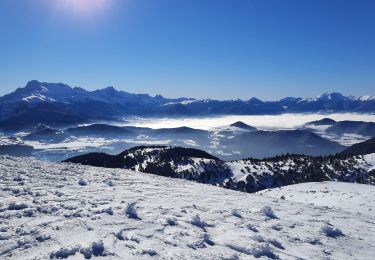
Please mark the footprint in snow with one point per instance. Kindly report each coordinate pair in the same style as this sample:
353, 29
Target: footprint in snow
268, 212
198, 222
131, 211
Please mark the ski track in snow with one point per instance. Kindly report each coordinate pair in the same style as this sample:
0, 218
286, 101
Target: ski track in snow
52, 211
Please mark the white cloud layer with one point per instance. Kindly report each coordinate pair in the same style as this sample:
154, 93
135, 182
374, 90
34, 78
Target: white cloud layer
265, 122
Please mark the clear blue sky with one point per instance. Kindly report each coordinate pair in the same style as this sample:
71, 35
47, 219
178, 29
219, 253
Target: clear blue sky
198, 48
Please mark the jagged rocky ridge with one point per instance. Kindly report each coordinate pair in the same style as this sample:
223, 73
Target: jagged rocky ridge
249, 175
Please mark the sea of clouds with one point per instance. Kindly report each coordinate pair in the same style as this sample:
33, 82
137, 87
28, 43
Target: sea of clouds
264, 122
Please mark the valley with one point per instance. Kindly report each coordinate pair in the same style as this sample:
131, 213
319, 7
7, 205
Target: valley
234, 141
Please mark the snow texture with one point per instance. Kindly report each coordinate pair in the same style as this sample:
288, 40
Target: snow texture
352, 197
46, 214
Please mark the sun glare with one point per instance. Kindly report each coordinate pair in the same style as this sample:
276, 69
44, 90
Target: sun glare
83, 7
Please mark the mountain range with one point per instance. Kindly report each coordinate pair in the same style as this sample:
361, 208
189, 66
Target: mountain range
58, 104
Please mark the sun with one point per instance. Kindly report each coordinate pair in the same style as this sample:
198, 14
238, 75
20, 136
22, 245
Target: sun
83, 7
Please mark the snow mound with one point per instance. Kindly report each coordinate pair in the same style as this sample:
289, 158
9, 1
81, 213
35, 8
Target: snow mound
49, 215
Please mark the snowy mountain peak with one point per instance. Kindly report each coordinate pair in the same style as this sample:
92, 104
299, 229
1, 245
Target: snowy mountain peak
46, 92
35, 92
255, 100
109, 90
290, 99
366, 98
332, 96
33, 85
64, 104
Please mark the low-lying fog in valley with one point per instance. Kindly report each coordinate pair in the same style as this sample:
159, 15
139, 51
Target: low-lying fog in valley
262, 122
226, 137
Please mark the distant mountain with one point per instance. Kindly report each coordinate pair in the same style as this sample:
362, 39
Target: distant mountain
100, 130
58, 104
22, 116
248, 175
353, 127
261, 144
327, 102
41, 92
16, 150
180, 131
47, 135
244, 126
362, 148
226, 107
324, 121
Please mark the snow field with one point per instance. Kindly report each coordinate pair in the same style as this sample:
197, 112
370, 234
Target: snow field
46, 213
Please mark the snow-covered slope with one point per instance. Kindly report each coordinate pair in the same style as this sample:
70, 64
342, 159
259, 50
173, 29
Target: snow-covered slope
247, 175
254, 175
353, 197
68, 211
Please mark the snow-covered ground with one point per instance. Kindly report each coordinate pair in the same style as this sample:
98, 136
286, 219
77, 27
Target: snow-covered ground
351, 197
68, 211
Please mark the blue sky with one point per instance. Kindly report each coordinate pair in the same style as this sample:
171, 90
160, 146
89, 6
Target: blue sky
198, 48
